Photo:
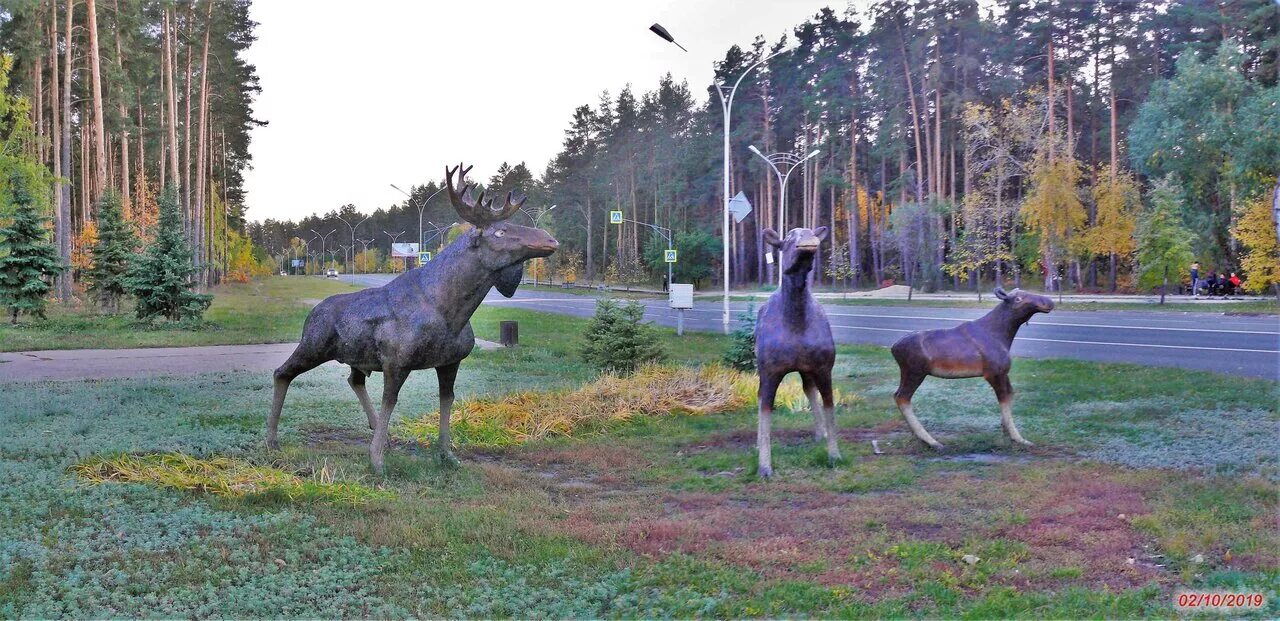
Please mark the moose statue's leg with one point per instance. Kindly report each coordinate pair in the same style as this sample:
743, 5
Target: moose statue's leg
907, 386
446, 375
768, 390
823, 381
393, 379
1004, 393
356, 380
293, 367
815, 406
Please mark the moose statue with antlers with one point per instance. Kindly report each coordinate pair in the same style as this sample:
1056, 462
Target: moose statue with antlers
420, 320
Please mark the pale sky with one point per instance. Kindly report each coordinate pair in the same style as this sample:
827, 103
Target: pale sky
360, 95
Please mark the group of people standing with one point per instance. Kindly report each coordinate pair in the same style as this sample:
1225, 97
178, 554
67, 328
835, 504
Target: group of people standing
1214, 284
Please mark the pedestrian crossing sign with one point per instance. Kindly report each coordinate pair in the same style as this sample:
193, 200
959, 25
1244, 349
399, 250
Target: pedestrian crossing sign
670, 256
423, 257
615, 217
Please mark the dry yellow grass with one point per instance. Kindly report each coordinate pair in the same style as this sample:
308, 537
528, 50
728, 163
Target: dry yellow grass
531, 415
223, 476
653, 390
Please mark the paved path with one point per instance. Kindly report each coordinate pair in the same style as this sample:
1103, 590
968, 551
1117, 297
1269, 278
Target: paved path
80, 364
1241, 345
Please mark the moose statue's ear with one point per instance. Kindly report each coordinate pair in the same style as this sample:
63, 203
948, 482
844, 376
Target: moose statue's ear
771, 238
1001, 294
821, 232
509, 278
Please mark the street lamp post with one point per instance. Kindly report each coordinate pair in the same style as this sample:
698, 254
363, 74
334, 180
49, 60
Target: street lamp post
351, 275
791, 161
666, 234
323, 241
726, 106
421, 206
535, 224
394, 237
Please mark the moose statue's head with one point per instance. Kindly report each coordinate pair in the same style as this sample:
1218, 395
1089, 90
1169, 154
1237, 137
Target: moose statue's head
500, 246
797, 248
1022, 304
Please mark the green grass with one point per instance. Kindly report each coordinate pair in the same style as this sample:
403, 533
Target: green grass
658, 517
262, 311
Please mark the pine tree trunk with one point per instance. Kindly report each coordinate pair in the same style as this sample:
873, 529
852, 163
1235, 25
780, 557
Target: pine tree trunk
201, 254
99, 124
172, 128
62, 154
125, 187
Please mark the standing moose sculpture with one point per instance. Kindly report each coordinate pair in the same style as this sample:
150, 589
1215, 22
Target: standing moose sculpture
420, 320
793, 334
978, 348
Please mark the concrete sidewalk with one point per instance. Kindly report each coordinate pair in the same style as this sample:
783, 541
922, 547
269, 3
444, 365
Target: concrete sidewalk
91, 364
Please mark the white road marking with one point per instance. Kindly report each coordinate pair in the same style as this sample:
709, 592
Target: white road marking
1030, 338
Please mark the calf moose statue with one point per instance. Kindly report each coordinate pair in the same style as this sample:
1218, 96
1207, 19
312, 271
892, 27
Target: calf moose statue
978, 348
420, 320
793, 334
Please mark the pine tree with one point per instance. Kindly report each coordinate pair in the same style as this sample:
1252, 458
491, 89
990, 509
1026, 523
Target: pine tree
1164, 245
741, 354
618, 341
112, 254
162, 278
31, 262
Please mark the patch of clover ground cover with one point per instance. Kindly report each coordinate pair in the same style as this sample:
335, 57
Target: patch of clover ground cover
71, 550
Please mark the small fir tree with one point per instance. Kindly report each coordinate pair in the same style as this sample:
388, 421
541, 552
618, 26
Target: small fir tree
30, 262
113, 254
1164, 245
618, 341
741, 354
161, 278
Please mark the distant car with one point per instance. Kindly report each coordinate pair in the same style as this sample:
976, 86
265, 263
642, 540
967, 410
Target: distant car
331, 273
284, 273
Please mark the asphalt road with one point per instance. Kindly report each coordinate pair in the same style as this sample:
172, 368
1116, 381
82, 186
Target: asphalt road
1240, 345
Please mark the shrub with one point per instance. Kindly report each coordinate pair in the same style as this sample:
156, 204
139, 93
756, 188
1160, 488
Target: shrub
618, 341
533, 415
741, 354
162, 278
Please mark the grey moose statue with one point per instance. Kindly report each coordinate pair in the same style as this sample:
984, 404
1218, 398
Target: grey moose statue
978, 348
420, 320
793, 335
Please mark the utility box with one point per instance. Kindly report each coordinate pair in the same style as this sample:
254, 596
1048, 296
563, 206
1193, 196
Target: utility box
681, 296
509, 334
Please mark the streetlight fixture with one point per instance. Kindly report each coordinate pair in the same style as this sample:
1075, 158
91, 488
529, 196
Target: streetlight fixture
350, 273
666, 234
421, 206
791, 161
394, 237
323, 240
726, 105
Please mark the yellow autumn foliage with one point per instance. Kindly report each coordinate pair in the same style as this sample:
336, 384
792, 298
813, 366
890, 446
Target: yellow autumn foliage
1255, 227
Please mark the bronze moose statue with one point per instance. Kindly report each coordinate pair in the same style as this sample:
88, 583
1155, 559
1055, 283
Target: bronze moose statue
793, 334
978, 348
420, 320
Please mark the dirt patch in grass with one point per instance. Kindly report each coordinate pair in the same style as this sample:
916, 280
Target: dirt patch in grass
1055, 528
745, 439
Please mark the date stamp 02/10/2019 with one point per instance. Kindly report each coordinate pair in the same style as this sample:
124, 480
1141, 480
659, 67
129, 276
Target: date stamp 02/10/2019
1218, 599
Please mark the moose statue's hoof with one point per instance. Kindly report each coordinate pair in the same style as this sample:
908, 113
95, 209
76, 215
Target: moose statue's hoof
273, 445
764, 472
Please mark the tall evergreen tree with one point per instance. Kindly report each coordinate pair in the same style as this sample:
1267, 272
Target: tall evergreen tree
113, 254
31, 262
163, 277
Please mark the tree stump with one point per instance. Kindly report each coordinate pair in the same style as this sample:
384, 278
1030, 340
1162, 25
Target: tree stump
510, 334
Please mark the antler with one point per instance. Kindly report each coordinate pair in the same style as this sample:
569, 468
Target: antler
478, 211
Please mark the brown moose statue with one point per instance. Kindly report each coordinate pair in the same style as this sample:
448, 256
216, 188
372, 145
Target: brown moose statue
420, 320
978, 348
793, 335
